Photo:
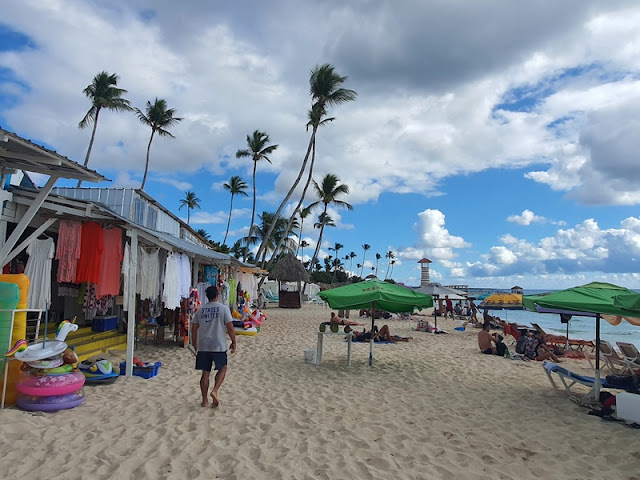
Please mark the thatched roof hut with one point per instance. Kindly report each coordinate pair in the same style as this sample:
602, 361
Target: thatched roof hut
289, 269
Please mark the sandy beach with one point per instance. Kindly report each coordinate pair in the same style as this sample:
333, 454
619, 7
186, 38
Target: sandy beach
433, 408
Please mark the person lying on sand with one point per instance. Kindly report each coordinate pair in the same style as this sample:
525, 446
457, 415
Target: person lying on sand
383, 334
341, 321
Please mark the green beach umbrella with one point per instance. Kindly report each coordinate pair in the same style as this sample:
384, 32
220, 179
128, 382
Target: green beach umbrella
595, 299
375, 294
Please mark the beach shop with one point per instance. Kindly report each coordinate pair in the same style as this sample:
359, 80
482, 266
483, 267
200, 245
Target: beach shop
114, 259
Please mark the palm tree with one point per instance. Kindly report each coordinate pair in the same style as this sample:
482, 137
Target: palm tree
323, 220
393, 262
159, 118
258, 150
191, 202
301, 245
365, 247
390, 256
335, 248
327, 263
328, 193
325, 87
304, 213
359, 266
378, 257
352, 255
236, 186
203, 233
104, 93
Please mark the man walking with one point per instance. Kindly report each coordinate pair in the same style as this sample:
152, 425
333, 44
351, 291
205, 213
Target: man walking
211, 324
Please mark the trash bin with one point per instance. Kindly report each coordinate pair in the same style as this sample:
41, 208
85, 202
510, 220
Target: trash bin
310, 355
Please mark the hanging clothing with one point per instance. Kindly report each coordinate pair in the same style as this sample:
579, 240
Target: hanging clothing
171, 290
202, 291
210, 274
88, 269
68, 249
109, 281
38, 269
126, 259
185, 275
148, 274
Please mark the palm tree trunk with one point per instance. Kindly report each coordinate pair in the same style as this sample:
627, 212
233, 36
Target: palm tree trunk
315, 254
224, 242
93, 136
146, 167
297, 209
188, 214
253, 212
363, 257
300, 236
265, 240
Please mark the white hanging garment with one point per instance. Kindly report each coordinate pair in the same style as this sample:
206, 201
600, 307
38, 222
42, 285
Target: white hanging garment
171, 292
148, 274
185, 275
38, 269
126, 258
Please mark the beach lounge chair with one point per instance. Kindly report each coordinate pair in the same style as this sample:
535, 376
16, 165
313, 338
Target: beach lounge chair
269, 297
512, 329
562, 341
569, 379
631, 357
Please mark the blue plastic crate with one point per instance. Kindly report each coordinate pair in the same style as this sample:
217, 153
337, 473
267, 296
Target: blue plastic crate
104, 323
148, 371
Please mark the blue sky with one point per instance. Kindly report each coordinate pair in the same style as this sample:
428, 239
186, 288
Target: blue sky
501, 142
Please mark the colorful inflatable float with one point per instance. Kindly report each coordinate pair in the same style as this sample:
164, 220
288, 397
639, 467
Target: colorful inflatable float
9, 301
49, 382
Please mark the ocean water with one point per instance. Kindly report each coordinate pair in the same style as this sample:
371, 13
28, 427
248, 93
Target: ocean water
582, 328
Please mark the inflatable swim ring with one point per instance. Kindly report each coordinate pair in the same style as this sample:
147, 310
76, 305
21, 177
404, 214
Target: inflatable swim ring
246, 331
99, 366
50, 385
51, 403
62, 370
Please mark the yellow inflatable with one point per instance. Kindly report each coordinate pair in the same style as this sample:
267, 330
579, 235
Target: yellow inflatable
19, 332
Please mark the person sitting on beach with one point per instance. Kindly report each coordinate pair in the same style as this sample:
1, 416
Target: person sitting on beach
485, 340
535, 348
336, 320
458, 308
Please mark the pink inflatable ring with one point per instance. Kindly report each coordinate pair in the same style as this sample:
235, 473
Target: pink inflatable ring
48, 385
51, 403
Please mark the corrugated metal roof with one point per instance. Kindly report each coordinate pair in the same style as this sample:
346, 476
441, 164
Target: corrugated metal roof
187, 246
22, 154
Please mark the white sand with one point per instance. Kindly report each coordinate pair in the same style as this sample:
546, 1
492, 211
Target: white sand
432, 408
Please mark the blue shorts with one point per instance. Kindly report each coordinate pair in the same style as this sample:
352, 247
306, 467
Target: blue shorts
205, 360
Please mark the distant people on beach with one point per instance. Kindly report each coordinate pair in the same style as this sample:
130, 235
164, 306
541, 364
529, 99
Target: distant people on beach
474, 312
383, 334
336, 320
449, 307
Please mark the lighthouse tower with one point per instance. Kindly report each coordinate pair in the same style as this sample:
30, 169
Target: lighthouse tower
424, 270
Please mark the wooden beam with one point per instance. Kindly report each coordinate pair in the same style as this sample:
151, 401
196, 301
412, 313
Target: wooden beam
26, 219
27, 241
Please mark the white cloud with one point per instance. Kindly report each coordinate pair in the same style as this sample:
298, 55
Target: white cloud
179, 184
434, 239
526, 218
199, 217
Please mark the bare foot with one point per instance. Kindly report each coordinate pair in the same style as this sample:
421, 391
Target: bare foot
205, 403
215, 401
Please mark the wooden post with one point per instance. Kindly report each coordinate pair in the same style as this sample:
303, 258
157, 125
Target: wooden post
131, 314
